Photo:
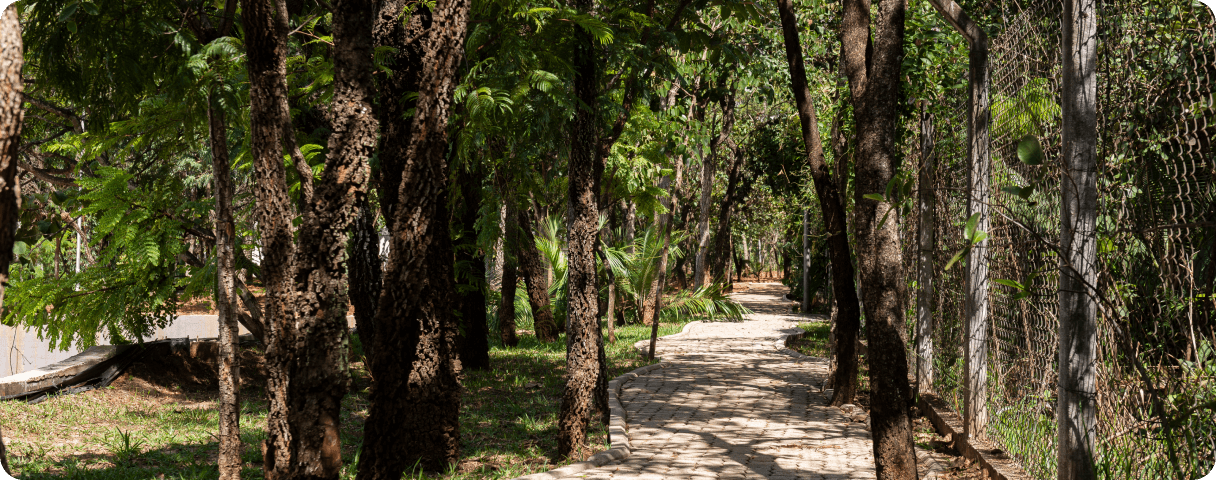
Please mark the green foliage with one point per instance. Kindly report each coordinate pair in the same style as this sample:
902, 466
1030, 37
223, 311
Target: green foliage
132, 287
636, 274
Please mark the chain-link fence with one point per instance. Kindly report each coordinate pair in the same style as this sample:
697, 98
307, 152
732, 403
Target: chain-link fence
1156, 229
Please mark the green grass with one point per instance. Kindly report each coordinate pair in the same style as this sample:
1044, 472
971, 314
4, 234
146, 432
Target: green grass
137, 430
815, 344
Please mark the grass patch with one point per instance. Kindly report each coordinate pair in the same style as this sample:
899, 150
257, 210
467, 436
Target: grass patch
815, 344
135, 429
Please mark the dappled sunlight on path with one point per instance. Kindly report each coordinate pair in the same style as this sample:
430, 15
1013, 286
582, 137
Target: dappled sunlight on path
729, 405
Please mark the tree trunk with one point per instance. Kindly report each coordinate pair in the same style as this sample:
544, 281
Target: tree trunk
307, 351
848, 315
661, 280
874, 71
413, 418
722, 248
11, 115
582, 362
536, 280
265, 23
229, 456
702, 239
475, 346
1077, 412
510, 269
365, 272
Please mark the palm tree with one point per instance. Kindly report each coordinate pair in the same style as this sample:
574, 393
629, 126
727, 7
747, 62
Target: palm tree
635, 276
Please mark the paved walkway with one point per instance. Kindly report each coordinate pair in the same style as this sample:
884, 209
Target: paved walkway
731, 407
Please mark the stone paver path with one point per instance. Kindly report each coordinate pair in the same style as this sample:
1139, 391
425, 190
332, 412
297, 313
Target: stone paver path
730, 406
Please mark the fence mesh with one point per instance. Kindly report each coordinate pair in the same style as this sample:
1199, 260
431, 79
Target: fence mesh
1157, 247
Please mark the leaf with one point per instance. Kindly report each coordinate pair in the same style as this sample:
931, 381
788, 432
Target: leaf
67, 14
1030, 151
1009, 283
20, 248
1026, 192
72, 26
958, 256
969, 229
877, 197
89, 7
1012, 190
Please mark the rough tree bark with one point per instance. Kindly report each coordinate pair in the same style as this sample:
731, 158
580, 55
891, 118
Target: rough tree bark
848, 315
510, 269
365, 272
416, 401
265, 23
582, 331
475, 345
229, 457
1077, 412
873, 69
535, 279
307, 350
11, 115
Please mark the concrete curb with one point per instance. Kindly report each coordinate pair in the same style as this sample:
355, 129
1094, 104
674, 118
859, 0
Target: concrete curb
643, 346
618, 431
950, 424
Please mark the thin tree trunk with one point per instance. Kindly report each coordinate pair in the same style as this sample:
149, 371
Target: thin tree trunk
723, 251
475, 346
848, 315
413, 418
873, 68
510, 269
536, 280
229, 456
1077, 413
11, 116
582, 365
702, 240
612, 313
664, 227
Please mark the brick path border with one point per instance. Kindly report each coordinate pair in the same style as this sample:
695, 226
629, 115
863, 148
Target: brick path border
618, 429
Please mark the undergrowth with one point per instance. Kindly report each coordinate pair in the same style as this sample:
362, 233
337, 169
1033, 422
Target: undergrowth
138, 430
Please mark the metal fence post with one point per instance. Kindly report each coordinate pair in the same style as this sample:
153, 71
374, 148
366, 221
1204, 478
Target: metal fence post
927, 244
975, 347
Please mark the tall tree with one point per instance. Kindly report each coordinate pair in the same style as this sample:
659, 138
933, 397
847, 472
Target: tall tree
827, 190
471, 271
873, 69
535, 278
413, 418
582, 330
510, 268
1077, 412
225, 272
11, 115
365, 271
306, 284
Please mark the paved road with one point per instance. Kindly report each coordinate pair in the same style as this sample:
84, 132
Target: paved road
731, 407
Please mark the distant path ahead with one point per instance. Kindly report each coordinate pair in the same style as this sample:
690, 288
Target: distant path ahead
731, 407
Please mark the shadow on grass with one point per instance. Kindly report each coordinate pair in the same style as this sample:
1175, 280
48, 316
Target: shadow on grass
182, 460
